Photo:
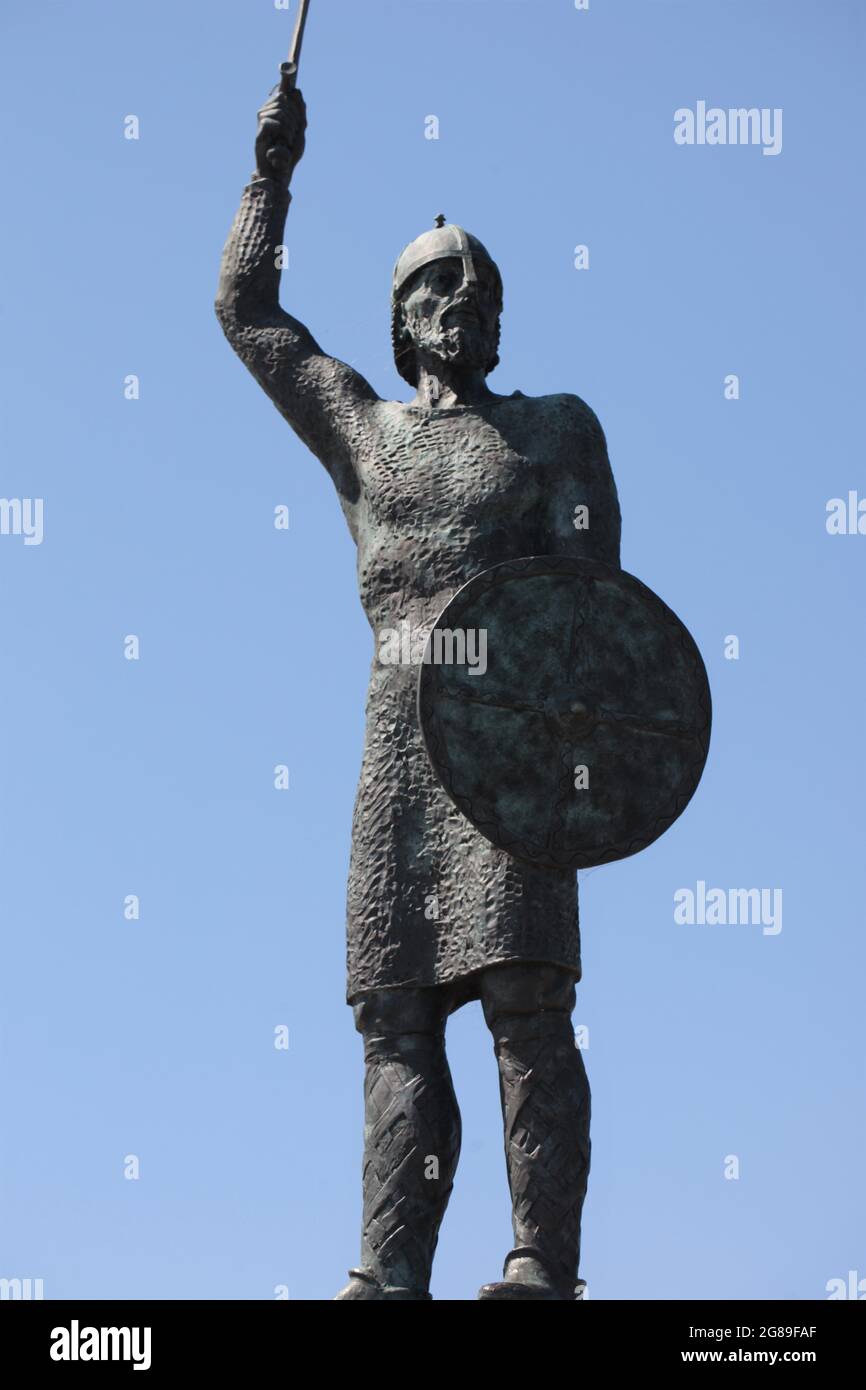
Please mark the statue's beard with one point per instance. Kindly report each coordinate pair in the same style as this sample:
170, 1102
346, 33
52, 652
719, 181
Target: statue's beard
465, 345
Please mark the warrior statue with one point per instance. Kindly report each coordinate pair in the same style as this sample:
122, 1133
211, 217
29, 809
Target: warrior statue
436, 491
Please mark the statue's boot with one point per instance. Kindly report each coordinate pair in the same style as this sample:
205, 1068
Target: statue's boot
546, 1112
363, 1285
411, 1143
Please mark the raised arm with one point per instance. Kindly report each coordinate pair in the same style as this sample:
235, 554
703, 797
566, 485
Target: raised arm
325, 401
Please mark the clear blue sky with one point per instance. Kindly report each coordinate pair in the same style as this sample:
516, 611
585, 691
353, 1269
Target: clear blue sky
155, 1037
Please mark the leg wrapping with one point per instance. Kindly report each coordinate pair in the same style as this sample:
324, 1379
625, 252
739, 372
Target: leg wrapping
546, 1117
411, 1143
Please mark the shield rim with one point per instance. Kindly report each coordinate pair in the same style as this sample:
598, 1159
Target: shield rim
532, 566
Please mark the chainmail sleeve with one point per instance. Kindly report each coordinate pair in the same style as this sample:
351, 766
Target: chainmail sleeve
324, 400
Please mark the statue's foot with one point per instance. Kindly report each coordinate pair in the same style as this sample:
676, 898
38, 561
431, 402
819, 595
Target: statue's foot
363, 1285
526, 1278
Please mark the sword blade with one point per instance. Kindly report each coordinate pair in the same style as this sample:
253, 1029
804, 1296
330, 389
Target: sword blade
298, 35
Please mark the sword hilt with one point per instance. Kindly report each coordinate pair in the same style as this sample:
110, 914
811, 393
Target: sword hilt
288, 77
278, 156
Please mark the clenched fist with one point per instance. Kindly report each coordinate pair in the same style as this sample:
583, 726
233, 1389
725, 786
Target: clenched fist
281, 134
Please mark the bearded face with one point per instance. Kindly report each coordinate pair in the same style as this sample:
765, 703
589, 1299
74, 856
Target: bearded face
453, 317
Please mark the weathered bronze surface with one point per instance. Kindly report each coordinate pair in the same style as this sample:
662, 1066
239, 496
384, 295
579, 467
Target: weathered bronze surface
585, 734
435, 491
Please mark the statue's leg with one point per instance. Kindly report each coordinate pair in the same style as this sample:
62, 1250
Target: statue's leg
546, 1110
411, 1141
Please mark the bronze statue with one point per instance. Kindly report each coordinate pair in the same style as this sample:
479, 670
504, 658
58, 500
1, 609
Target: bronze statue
436, 491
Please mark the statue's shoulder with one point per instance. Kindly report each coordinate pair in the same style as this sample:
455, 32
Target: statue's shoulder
565, 410
558, 402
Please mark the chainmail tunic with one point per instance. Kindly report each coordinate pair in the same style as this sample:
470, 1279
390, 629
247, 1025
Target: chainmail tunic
431, 497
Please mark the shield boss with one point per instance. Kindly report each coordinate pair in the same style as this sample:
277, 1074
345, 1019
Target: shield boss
587, 733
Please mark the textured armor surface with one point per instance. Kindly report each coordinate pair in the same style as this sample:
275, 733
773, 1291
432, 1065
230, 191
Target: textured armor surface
431, 497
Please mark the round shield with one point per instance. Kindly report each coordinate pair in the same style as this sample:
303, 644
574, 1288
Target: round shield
565, 709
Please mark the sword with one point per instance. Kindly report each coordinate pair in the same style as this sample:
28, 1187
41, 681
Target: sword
278, 157
289, 69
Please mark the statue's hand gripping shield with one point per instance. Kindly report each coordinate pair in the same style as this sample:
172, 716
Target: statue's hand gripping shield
575, 728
